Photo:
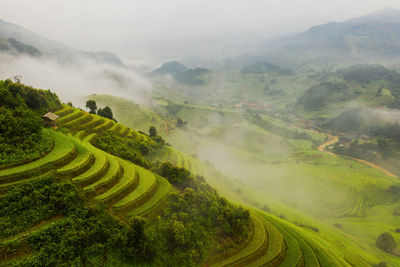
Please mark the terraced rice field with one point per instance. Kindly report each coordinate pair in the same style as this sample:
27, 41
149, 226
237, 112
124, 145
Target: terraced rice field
122, 185
182, 160
130, 190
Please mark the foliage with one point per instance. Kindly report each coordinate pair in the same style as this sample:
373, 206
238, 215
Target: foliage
132, 149
386, 242
192, 224
177, 176
196, 222
180, 123
40, 101
368, 73
320, 95
152, 131
21, 135
27, 150
84, 234
32, 202
173, 109
106, 113
92, 106
154, 135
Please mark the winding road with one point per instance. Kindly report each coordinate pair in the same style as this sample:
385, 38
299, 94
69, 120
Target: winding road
334, 139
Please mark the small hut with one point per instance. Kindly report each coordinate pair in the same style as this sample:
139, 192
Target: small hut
49, 119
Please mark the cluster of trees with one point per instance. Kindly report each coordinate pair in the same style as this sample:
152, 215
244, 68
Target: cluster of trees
40, 101
386, 242
21, 133
192, 225
23, 48
82, 233
196, 220
367, 73
105, 112
131, 149
181, 123
320, 95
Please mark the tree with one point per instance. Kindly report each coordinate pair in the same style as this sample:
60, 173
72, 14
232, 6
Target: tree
105, 112
152, 131
386, 242
91, 104
180, 123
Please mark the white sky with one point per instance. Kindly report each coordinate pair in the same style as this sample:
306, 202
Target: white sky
143, 29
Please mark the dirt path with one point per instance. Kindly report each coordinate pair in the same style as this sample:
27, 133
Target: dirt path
166, 127
334, 139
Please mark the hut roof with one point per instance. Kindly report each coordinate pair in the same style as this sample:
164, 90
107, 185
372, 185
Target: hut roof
51, 116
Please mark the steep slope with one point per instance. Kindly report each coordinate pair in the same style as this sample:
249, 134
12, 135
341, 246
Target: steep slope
53, 48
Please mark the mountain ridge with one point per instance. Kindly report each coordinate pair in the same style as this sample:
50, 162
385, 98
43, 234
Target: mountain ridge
50, 47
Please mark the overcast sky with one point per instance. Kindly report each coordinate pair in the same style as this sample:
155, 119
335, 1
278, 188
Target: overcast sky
166, 29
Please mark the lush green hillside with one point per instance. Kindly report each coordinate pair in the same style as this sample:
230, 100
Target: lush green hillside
308, 207
275, 166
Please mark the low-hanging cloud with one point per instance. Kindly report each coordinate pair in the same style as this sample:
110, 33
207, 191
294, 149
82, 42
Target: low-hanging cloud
74, 81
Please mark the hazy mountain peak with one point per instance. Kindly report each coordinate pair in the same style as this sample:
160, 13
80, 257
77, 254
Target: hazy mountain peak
171, 67
53, 48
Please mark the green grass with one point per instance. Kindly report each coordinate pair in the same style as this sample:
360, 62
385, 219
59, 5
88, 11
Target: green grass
128, 182
73, 124
81, 163
146, 188
252, 251
62, 153
95, 122
294, 254
276, 246
64, 111
132, 115
72, 116
104, 127
97, 170
114, 172
164, 187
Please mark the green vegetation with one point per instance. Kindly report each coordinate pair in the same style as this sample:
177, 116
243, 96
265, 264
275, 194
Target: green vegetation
386, 242
62, 153
164, 188
133, 150
91, 105
263, 147
22, 137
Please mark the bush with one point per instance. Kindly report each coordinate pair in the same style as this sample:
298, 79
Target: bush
386, 242
21, 135
131, 149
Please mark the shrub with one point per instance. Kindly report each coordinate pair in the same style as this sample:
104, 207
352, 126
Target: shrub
386, 242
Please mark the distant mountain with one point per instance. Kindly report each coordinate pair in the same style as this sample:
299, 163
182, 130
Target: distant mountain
374, 38
11, 45
170, 68
12, 36
181, 73
263, 67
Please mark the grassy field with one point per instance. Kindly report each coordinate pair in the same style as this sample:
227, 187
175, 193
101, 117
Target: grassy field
133, 115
